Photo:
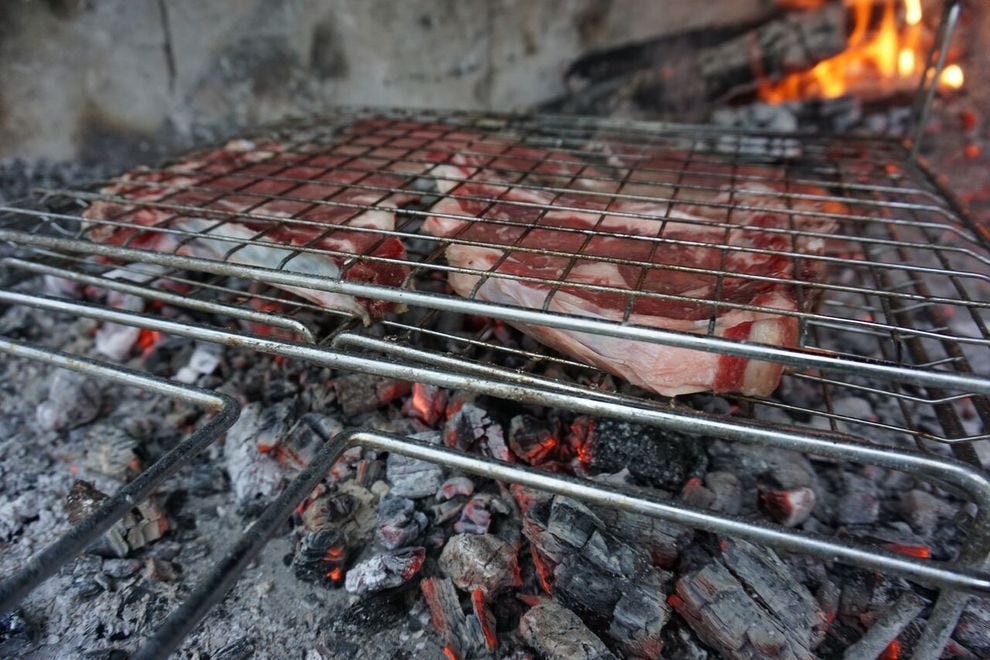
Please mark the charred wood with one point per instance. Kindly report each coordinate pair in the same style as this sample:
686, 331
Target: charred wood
558, 634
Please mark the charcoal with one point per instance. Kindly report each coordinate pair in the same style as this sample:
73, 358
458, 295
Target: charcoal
370, 615
727, 490
399, 523
973, 629
639, 617
351, 509
719, 610
924, 511
786, 469
777, 587
241, 648
682, 644
385, 571
320, 556
455, 486
411, 477
18, 512
470, 428
533, 440
656, 457
73, 400
480, 561
445, 511
120, 569
662, 540
297, 448
485, 619
462, 635
427, 403
609, 583
15, 634
790, 508
859, 503
558, 634
254, 477
888, 625
168, 356
475, 517
144, 524
113, 452
697, 495
780, 618
161, 570
362, 393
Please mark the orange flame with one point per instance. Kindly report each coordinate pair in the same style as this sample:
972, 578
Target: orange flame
888, 53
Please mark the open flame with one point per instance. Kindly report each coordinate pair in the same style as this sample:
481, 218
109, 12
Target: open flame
889, 54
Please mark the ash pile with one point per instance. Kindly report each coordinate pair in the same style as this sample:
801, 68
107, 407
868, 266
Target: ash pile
391, 555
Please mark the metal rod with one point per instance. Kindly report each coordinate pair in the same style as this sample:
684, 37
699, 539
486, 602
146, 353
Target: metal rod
224, 575
834, 445
44, 564
167, 297
804, 358
947, 28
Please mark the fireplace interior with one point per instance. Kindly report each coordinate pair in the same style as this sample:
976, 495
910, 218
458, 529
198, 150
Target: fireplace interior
494, 330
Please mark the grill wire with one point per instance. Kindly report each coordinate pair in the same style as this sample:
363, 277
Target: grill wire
911, 286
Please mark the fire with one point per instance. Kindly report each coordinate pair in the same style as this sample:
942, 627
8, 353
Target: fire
889, 53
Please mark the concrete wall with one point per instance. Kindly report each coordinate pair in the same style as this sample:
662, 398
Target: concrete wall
124, 80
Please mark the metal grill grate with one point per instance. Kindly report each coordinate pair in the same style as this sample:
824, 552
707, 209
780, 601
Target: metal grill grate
902, 277
887, 230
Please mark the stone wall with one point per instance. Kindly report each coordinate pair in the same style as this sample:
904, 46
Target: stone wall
125, 80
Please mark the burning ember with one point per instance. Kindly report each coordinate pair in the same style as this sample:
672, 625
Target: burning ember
886, 50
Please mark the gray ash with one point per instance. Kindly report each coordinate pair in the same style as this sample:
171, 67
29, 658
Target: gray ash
437, 559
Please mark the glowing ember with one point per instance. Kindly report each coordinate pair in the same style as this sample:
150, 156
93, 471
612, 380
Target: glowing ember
885, 54
892, 652
912, 12
952, 76
919, 551
147, 339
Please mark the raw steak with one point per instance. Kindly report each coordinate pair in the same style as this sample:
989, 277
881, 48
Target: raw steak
690, 245
309, 205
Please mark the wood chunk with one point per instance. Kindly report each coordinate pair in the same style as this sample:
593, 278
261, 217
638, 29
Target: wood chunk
889, 624
446, 614
777, 587
758, 609
398, 523
254, 476
663, 540
532, 439
73, 400
721, 613
361, 393
427, 403
558, 634
297, 448
471, 428
411, 477
790, 508
464, 635
656, 457
475, 517
385, 571
480, 561
859, 503
610, 584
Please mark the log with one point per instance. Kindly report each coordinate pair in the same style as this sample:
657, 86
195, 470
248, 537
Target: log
671, 78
